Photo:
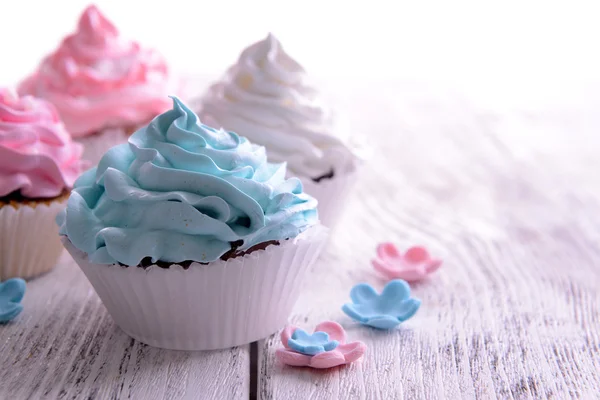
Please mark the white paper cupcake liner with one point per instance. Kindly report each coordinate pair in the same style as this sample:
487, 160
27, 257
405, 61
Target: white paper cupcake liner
205, 307
29, 242
97, 144
331, 194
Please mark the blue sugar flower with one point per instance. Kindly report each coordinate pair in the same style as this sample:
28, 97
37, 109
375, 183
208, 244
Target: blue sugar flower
313, 344
11, 294
383, 311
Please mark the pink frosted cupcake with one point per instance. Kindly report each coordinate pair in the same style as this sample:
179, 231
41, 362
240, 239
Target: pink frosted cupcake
103, 85
39, 163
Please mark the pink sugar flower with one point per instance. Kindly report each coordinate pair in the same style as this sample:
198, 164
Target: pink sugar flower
411, 266
344, 353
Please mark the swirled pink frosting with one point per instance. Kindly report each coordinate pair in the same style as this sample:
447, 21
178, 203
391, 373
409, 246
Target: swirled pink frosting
97, 79
38, 158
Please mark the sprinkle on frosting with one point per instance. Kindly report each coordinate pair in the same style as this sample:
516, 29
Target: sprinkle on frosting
98, 79
267, 95
38, 159
181, 190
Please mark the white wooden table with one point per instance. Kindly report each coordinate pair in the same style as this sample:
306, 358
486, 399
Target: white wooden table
509, 198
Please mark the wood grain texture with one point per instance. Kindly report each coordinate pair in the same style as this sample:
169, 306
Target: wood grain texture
64, 345
510, 199
507, 196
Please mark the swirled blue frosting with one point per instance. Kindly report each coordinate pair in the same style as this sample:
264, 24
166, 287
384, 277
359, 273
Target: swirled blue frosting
181, 190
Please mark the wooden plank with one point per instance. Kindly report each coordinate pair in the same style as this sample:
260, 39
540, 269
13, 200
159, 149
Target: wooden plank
511, 202
65, 345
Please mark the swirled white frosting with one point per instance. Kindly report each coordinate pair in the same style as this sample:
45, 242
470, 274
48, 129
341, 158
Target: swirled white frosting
267, 97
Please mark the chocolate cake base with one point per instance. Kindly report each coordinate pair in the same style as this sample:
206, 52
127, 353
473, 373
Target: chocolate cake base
16, 199
131, 129
328, 175
233, 253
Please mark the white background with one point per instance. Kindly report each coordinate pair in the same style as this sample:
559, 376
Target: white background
505, 51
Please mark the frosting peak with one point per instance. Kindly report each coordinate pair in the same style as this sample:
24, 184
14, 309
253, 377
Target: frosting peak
38, 159
94, 33
268, 96
98, 79
92, 21
271, 50
181, 190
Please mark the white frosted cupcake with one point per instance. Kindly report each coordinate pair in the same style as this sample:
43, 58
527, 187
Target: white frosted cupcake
268, 96
192, 240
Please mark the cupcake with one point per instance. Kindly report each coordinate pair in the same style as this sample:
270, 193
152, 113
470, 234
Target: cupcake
39, 163
103, 85
268, 96
192, 240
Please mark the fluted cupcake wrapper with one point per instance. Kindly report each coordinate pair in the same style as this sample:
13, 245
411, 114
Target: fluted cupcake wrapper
331, 194
215, 306
29, 242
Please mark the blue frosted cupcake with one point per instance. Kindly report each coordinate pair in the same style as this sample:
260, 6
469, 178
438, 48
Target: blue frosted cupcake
192, 240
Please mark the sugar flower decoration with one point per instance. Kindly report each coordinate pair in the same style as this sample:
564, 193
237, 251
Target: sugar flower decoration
11, 294
383, 311
305, 343
411, 266
299, 347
